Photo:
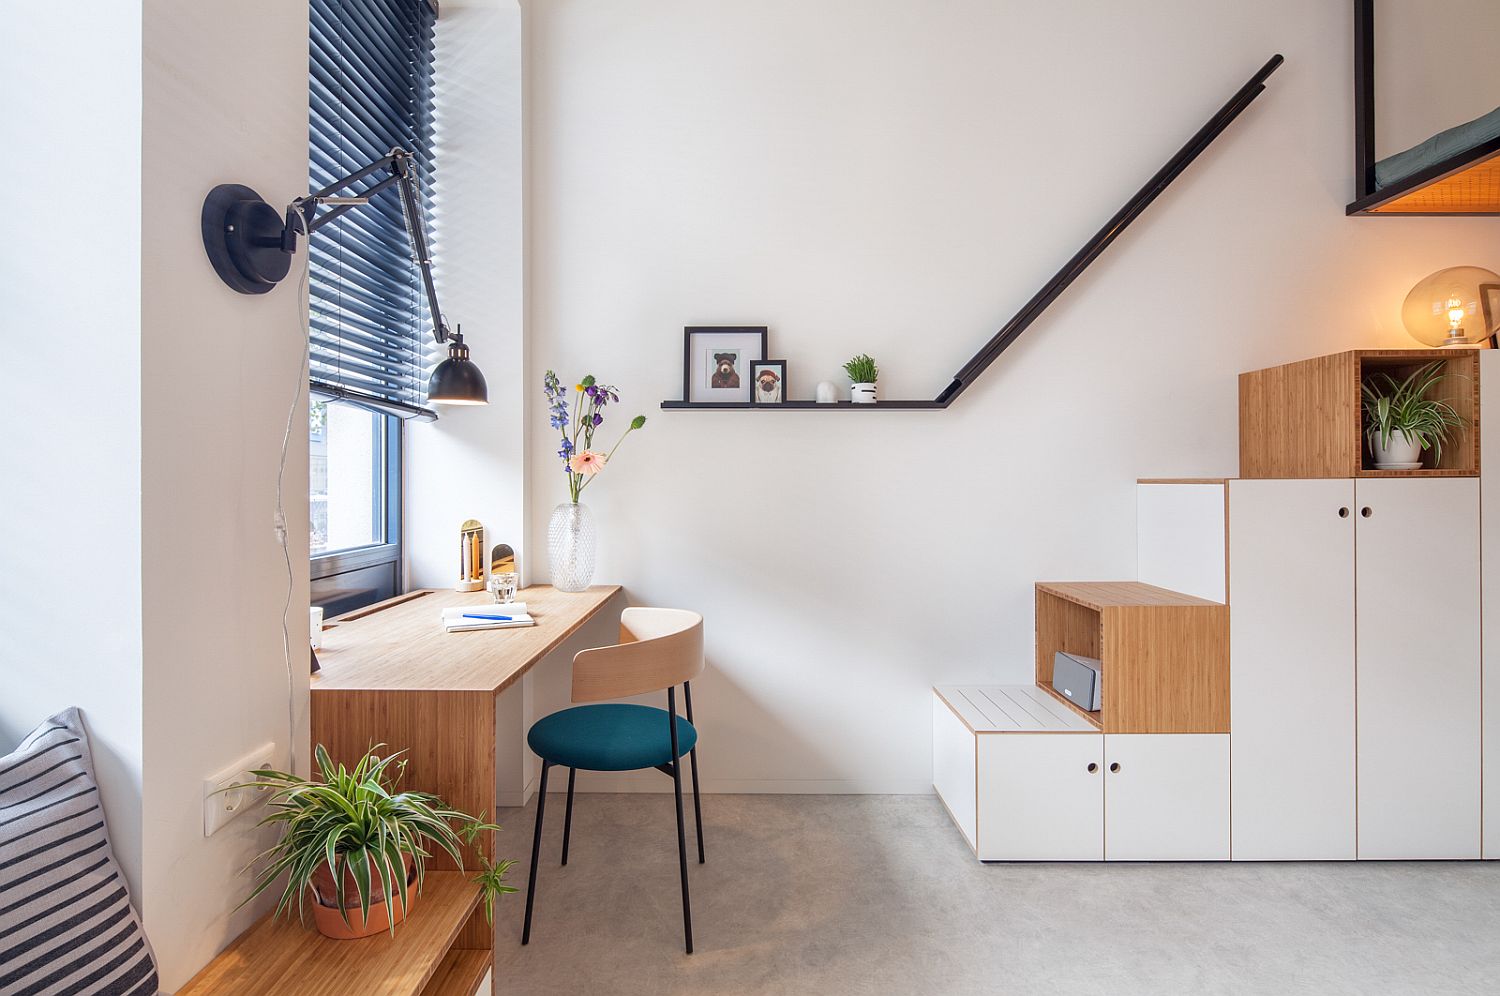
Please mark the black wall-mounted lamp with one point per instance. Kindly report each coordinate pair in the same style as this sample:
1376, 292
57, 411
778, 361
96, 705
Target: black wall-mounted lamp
251, 246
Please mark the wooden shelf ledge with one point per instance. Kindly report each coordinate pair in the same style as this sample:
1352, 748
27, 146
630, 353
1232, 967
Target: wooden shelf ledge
281, 957
1100, 595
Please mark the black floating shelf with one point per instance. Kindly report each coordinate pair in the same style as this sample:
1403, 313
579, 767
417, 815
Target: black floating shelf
798, 406
1060, 281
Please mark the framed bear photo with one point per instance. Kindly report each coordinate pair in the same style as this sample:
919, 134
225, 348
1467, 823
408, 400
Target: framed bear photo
718, 362
769, 378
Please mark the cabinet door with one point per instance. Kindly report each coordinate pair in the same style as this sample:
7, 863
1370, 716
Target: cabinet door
1166, 797
1417, 612
1489, 559
1291, 675
1038, 798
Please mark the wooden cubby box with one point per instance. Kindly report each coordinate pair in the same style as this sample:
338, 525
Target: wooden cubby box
1164, 655
1304, 419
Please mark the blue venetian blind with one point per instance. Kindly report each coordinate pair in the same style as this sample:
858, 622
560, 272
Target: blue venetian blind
370, 90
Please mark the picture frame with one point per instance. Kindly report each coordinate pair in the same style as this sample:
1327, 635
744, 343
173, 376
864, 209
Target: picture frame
768, 382
716, 362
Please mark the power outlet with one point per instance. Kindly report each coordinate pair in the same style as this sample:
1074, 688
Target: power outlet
221, 802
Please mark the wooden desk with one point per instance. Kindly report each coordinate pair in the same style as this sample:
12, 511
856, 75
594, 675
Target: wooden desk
392, 675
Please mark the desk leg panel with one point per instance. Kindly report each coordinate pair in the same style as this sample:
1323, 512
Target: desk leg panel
449, 739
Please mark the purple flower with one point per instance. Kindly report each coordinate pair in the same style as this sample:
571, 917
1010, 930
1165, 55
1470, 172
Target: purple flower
598, 419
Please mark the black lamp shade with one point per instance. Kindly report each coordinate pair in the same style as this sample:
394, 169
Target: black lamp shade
457, 381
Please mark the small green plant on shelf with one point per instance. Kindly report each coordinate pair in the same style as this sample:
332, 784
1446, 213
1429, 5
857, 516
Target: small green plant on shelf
862, 369
351, 828
1401, 408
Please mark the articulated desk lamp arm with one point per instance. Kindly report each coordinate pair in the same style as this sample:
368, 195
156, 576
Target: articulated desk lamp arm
251, 248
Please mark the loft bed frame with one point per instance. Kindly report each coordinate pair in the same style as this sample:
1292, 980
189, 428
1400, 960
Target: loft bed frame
1465, 183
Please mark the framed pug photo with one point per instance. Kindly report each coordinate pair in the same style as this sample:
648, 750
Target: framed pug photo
717, 361
768, 382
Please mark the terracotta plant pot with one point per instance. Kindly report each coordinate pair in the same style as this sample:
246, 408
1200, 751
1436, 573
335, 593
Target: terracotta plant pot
330, 922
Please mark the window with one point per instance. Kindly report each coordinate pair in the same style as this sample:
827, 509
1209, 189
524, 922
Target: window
370, 89
348, 473
355, 505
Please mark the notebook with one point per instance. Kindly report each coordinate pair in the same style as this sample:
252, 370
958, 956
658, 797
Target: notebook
454, 620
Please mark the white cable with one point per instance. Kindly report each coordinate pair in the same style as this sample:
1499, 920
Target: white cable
281, 532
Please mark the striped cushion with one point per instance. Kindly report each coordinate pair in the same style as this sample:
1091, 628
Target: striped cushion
66, 924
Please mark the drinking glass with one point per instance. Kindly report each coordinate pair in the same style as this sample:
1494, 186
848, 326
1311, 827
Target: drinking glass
502, 586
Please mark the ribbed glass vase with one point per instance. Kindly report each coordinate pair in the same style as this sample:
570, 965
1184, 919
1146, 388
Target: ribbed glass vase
571, 544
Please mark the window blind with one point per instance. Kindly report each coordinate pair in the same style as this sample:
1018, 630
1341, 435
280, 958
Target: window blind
370, 90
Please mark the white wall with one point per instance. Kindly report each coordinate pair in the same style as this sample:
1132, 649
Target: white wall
897, 177
219, 370
1435, 67
70, 504
470, 464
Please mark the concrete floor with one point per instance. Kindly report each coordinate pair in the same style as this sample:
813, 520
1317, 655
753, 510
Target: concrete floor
880, 895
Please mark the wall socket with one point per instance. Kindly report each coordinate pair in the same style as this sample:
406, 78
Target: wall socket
219, 807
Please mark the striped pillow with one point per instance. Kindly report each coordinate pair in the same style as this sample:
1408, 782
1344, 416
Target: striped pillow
66, 923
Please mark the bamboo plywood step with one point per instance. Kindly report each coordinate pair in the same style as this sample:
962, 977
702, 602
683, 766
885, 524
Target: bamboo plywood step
282, 957
1164, 655
460, 973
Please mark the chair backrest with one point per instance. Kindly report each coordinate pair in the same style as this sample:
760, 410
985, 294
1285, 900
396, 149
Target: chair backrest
658, 648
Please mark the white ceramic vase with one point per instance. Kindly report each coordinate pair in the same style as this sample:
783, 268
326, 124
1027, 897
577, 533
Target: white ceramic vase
828, 393
862, 394
1398, 453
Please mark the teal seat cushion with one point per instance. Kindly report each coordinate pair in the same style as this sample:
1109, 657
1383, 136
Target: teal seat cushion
1439, 147
609, 737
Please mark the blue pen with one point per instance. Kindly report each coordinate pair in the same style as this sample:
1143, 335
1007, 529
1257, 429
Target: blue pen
481, 615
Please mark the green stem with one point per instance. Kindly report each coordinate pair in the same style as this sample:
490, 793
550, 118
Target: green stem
607, 458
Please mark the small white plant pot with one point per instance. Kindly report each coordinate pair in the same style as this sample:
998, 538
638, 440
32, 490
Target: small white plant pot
828, 393
862, 394
1400, 453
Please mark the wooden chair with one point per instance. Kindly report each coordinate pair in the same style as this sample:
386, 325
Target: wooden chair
658, 649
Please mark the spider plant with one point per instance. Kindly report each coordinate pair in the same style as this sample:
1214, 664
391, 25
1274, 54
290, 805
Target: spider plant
353, 821
1392, 406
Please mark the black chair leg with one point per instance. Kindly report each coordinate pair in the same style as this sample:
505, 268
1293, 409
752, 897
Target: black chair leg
687, 700
536, 851
697, 807
687, 908
568, 819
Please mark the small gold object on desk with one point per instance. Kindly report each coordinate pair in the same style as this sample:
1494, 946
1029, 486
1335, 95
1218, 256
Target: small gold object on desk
470, 556
502, 559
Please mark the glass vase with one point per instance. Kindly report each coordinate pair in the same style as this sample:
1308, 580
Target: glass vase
571, 544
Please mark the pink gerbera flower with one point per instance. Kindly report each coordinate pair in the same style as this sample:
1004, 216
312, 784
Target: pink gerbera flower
587, 462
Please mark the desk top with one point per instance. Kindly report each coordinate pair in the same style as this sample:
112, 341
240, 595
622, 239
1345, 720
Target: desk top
400, 644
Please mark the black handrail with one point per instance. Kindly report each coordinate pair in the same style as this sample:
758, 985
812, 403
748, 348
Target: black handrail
1112, 229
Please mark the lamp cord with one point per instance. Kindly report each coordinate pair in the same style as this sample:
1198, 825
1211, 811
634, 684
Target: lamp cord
281, 530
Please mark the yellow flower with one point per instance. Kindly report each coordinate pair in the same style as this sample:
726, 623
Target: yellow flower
577, 387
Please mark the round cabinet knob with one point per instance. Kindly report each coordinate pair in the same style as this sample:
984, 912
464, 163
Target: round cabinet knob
1366, 511
1093, 767
1114, 766
1344, 512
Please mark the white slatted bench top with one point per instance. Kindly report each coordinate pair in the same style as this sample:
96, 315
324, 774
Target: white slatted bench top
1010, 709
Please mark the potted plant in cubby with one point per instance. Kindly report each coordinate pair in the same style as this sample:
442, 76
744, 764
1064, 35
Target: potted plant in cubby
862, 373
358, 848
1401, 421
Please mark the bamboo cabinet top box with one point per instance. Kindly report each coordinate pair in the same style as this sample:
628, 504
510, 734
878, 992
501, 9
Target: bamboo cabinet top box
1164, 656
1304, 419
